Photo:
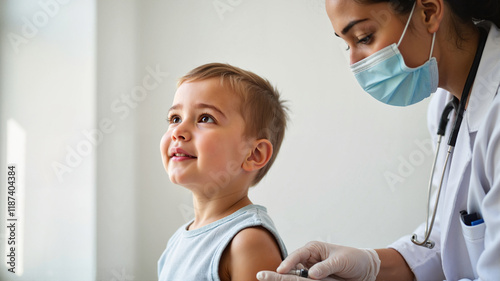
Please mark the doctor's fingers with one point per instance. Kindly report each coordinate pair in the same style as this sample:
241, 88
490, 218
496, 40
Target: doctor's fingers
273, 276
310, 254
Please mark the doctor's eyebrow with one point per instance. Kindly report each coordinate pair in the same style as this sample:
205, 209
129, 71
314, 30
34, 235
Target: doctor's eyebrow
350, 25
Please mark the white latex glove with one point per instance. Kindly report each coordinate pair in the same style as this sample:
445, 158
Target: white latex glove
329, 261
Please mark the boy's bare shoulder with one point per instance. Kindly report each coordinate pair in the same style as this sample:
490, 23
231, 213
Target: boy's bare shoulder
251, 250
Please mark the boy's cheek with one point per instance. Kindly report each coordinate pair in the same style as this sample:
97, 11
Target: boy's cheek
164, 143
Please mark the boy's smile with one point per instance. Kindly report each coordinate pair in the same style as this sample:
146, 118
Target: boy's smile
205, 142
179, 154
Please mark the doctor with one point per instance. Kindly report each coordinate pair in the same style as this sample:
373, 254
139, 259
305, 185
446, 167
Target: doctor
401, 51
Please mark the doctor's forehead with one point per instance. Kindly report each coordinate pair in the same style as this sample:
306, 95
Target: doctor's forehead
344, 14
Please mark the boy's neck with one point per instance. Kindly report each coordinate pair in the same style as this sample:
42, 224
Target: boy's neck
210, 210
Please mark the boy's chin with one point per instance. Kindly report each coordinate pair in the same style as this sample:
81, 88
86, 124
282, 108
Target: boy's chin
176, 176
174, 179
204, 189
181, 180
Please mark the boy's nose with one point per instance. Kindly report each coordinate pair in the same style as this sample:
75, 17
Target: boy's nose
181, 134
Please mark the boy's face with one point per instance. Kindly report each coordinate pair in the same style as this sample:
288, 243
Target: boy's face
205, 140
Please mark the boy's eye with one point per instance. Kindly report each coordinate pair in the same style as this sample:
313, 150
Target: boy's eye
174, 119
205, 118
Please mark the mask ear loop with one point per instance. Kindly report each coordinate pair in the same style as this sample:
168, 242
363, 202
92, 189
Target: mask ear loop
407, 24
432, 44
406, 27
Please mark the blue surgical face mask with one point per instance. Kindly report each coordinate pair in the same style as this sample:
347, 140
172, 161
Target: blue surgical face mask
385, 76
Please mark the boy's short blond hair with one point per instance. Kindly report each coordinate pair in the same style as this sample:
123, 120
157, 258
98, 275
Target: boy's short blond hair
261, 107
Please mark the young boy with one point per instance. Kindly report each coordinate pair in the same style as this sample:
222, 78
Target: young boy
226, 126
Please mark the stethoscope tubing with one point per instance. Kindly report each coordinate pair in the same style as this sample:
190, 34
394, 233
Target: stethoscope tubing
428, 227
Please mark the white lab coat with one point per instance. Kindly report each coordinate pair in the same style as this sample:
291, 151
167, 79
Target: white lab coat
472, 183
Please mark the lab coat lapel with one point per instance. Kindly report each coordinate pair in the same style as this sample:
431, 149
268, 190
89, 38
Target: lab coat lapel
486, 83
485, 89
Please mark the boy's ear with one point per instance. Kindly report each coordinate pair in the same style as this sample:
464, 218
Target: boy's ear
259, 155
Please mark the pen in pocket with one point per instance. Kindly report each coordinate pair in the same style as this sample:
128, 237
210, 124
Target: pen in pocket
470, 219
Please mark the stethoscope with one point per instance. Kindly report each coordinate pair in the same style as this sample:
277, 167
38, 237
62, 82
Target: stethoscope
459, 112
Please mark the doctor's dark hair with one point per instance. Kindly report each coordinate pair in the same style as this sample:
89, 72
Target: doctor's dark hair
262, 109
463, 10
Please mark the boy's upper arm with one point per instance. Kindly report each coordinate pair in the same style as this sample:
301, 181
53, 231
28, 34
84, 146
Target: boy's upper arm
251, 250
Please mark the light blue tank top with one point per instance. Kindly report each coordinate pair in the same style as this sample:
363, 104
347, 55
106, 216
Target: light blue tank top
194, 255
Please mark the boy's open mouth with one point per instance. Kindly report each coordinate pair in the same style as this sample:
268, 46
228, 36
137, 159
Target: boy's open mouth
179, 153
182, 155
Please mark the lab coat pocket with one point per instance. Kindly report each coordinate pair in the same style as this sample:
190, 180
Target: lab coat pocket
474, 239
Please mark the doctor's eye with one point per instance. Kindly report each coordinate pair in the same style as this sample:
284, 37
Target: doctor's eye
174, 119
365, 40
206, 118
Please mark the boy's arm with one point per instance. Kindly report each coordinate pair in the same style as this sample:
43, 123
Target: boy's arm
251, 250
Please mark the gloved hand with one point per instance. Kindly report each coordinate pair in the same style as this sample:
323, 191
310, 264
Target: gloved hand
328, 261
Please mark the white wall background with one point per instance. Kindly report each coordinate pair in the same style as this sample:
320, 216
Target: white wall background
48, 91
78, 80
